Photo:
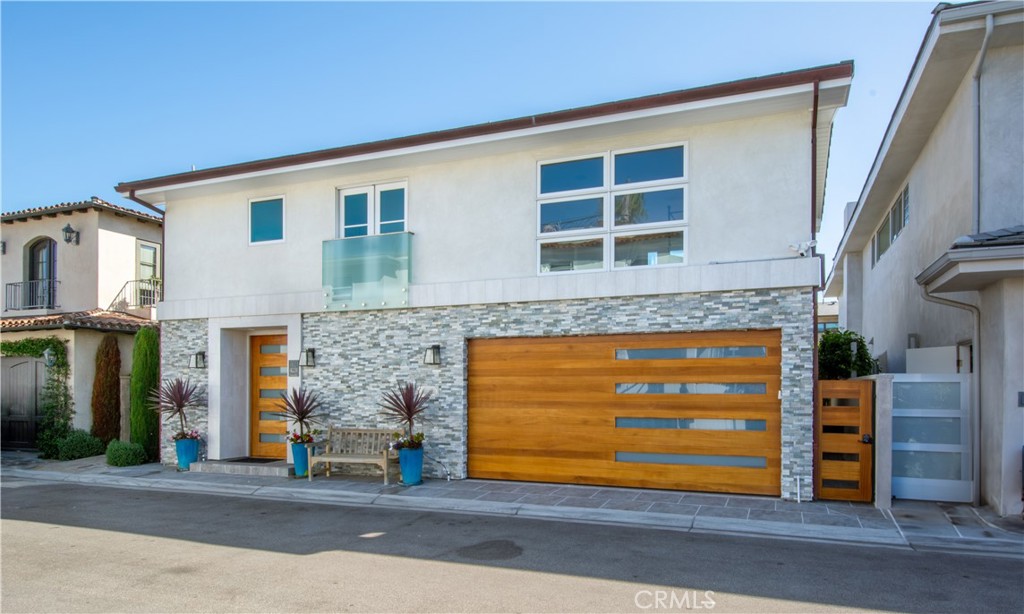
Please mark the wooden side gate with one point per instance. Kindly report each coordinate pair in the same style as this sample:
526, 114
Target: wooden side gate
844, 424
20, 411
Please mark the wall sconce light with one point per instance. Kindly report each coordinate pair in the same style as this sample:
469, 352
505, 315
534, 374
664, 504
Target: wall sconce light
49, 357
70, 234
308, 358
3, 248
197, 360
432, 355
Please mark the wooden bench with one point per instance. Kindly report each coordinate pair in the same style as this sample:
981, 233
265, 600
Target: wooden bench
357, 446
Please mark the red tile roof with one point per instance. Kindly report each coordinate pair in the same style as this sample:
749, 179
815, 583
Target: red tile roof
93, 203
94, 319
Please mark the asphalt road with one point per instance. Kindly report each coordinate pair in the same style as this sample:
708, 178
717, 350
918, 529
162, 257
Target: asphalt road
74, 548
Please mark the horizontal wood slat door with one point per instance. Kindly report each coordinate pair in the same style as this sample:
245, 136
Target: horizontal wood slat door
683, 411
269, 383
845, 414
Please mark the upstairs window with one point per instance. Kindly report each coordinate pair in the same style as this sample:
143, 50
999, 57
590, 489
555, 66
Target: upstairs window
372, 210
612, 210
266, 220
892, 225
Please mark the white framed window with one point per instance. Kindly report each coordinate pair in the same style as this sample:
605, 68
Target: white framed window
147, 260
619, 208
892, 225
266, 220
372, 210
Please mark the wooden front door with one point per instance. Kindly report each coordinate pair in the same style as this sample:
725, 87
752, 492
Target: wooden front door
845, 463
20, 411
685, 411
268, 384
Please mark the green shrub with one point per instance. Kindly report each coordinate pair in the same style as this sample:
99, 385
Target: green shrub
106, 390
145, 422
837, 361
125, 454
78, 444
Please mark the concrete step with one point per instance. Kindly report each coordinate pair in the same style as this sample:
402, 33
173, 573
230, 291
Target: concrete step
277, 468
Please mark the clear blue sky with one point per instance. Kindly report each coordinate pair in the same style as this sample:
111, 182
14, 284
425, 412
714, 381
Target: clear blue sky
97, 93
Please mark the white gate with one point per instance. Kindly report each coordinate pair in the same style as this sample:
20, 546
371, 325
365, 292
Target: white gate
931, 437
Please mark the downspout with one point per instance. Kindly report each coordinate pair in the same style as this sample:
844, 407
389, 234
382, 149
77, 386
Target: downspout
975, 389
976, 125
814, 298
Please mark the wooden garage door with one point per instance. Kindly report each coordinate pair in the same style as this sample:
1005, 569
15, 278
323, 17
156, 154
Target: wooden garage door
686, 411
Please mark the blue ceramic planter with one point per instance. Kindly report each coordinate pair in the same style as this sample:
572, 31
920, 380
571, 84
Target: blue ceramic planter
300, 459
411, 463
187, 451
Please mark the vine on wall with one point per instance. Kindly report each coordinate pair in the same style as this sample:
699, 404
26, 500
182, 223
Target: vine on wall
58, 406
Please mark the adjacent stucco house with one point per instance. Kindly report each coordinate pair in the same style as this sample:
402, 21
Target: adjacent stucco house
933, 251
74, 271
615, 294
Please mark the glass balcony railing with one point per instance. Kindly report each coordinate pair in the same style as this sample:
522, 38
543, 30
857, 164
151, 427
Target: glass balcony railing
371, 272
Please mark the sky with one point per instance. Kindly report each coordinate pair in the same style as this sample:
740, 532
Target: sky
92, 94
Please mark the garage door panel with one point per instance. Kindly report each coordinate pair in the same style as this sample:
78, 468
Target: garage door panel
696, 411
606, 473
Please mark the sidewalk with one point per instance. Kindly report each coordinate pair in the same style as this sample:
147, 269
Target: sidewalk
910, 524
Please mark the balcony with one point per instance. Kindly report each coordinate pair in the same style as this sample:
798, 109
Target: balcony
138, 294
362, 273
37, 294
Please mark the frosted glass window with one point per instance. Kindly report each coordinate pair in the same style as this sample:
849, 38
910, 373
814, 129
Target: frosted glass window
926, 465
734, 351
271, 415
272, 349
716, 388
271, 438
926, 430
708, 460
270, 393
695, 424
926, 395
273, 371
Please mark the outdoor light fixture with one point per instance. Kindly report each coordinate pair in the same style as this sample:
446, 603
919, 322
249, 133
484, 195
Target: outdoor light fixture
49, 357
70, 234
309, 358
432, 355
197, 360
3, 247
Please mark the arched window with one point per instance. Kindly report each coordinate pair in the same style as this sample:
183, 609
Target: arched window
42, 274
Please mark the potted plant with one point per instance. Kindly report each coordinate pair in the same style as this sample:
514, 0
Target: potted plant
301, 406
174, 398
404, 404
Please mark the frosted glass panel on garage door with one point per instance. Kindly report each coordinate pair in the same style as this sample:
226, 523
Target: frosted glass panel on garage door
931, 450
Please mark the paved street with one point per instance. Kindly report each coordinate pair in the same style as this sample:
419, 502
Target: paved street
75, 548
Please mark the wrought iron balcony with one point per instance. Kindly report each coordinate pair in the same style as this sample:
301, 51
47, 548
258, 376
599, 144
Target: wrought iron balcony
36, 294
137, 294
367, 272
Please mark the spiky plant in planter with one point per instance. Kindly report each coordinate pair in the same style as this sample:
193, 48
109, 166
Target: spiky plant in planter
174, 398
301, 407
403, 405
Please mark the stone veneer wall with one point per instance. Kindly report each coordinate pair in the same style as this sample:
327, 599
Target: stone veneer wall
360, 354
178, 340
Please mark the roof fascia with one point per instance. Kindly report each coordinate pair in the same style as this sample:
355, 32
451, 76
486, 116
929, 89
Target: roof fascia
380, 150
952, 257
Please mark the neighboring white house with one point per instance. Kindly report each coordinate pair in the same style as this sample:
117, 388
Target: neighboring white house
615, 294
933, 251
74, 271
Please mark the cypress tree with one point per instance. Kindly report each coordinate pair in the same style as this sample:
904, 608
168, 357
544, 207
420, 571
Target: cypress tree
145, 422
106, 391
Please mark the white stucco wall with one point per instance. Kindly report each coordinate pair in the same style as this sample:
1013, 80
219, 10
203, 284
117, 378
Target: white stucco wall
117, 253
940, 196
1002, 379
1002, 139
475, 219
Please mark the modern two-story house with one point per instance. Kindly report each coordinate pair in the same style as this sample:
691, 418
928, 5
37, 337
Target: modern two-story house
74, 271
616, 294
933, 251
